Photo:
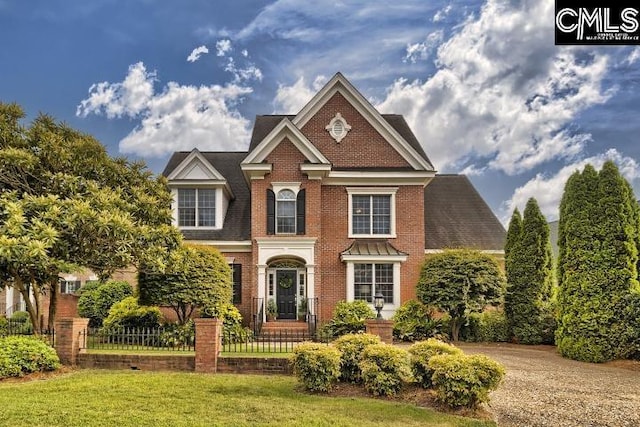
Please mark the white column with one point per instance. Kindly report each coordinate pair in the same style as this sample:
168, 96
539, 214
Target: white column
349, 282
311, 292
262, 286
8, 299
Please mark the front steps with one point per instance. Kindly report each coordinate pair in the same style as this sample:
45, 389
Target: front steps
284, 330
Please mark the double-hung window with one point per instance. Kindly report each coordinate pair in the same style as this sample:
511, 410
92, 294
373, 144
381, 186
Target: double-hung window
370, 279
285, 212
196, 207
372, 212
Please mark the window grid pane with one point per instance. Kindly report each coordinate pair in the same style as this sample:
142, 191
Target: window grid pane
186, 207
363, 282
361, 214
286, 212
381, 213
206, 207
384, 281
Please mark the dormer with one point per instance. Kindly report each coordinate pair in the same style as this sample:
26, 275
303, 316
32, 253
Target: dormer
200, 194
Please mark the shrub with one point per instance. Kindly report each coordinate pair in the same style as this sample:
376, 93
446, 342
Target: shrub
419, 355
351, 346
489, 326
232, 329
94, 303
20, 355
4, 326
414, 321
176, 335
461, 380
129, 314
348, 318
384, 368
20, 316
316, 365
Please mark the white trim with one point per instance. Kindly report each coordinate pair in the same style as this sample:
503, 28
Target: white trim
194, 159
279, 186
389, 309
378, 178
225, 245
339, 84
378, 258
315, 170
331, 127
256, 170
372, 191
220, 207
285, 129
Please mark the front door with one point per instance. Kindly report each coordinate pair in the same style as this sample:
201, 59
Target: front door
286, 293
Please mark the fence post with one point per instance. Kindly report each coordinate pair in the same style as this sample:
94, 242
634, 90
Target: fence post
69, 332
381, 328
208, 344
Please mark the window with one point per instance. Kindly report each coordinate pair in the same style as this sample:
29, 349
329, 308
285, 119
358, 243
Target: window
370, 279
286, 212
237, 283
196, 207
371, 214
69, 286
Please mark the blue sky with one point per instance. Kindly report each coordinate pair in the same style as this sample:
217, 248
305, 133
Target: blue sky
481, 83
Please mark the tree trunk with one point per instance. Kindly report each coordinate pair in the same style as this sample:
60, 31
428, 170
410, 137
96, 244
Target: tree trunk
456, 323
31, 308
53, 304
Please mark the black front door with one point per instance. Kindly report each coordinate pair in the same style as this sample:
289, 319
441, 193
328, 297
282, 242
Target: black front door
286, 293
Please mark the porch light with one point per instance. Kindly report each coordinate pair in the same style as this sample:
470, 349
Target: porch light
378, 303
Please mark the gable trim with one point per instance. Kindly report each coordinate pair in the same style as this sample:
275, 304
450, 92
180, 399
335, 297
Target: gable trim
195, 158
339, 84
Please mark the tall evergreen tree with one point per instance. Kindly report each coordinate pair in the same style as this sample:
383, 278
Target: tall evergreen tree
529, 277
598, 263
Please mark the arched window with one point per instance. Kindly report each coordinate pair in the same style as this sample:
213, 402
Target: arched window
286, 212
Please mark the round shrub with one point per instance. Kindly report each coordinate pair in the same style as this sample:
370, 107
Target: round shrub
349, 318
20, 316
414, 321
20, 355
351, 346
129, 314
419, 355
384, 368
316, 365
461, 380
97, 298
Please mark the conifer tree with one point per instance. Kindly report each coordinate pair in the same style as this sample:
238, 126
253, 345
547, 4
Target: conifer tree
529, 277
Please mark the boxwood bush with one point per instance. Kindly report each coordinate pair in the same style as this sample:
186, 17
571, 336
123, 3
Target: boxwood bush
21, 355
348, 318
351, 346
419, 355
384, 369
129, 314
414, 321
316, 365
489, 326
97, 298
461, 380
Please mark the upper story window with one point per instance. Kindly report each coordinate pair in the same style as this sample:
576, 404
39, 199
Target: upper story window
286, 210
196, 207
372, 214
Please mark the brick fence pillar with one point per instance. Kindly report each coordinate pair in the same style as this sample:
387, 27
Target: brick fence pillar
70, 338
208, 344
381, 328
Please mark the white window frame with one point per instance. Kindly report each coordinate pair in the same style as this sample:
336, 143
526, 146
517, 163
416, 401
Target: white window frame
217, 207
277, 187
373, 191
389, 308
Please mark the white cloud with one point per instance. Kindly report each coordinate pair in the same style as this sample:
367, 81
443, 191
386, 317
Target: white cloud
243, 74
548, 190
503, 92
197, 53
180, 117
421, 51
633, 56
442, 13
291, 99
223, 47
245, 53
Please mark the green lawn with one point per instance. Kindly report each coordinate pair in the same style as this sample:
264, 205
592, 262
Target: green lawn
126, 398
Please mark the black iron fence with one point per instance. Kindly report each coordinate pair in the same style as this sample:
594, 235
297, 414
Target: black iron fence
276, 341
139, 339
13, 327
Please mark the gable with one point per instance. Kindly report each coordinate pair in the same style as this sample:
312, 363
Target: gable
195, 167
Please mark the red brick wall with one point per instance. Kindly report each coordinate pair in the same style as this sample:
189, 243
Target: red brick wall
362, 147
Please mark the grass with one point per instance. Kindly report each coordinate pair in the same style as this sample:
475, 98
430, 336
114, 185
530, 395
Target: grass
124, 398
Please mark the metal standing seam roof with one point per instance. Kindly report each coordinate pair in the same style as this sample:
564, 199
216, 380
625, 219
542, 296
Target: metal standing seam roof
372, 248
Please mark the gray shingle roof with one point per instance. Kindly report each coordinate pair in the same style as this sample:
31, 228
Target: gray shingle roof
456, 216
237, 222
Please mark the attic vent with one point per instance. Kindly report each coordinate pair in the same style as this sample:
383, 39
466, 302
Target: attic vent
338, 127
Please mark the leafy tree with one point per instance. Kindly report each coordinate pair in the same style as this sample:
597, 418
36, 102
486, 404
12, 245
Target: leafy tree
94, 303
65, 204
529, 276
460, 282
597, 267
195, 277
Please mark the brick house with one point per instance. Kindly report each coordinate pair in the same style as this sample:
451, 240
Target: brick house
337, 202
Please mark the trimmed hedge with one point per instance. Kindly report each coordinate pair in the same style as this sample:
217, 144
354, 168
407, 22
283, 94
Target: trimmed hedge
97, 298
316, 365
348, 318
461, 380
384, 368
351, 346
21, 355
488, 326
414, 321
419, 355
129, 314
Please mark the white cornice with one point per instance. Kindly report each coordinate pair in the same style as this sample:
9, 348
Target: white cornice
378, 178
339, 84
225, 245
315, 170
256, 170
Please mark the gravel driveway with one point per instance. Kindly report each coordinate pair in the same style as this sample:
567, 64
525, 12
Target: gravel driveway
543, 389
